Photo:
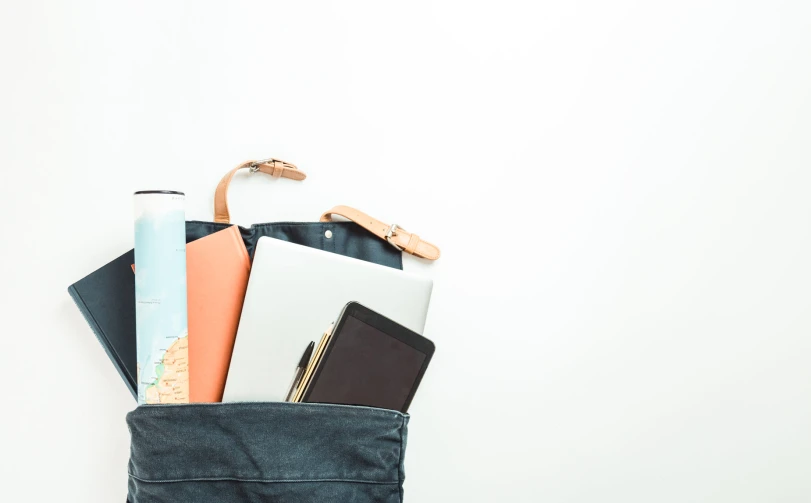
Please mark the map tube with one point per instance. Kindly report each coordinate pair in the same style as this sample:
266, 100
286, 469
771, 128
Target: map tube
161, 328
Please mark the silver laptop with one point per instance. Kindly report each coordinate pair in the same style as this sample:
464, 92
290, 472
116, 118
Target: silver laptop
294, 293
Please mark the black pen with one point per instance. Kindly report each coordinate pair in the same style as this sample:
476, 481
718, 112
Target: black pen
302, 364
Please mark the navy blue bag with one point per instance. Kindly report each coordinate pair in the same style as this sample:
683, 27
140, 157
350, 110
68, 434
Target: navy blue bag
266, 453
276, 452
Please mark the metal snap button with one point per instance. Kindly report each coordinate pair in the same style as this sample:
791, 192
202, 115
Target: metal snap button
328, 234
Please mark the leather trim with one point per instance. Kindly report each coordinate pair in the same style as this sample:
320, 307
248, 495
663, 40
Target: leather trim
273, 167
406, 241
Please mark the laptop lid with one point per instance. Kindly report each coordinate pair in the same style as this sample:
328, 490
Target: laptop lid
294, 293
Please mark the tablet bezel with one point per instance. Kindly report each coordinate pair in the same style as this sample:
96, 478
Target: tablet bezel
391, 329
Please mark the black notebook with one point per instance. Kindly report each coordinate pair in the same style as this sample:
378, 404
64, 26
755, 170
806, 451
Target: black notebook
106, 298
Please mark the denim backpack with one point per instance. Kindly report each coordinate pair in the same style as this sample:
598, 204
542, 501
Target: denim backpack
277, 452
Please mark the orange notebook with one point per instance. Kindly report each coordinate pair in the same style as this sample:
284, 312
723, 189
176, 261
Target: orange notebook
217, 269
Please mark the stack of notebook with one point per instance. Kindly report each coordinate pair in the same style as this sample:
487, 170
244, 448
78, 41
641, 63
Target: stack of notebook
245, 347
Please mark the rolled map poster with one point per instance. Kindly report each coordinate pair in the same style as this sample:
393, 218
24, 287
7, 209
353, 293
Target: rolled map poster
161, 328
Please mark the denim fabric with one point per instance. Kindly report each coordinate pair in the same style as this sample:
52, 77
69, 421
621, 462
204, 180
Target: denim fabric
266, 452
347, 238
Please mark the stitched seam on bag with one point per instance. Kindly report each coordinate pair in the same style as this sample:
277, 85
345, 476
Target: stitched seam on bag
223, 224
266, 224
266, 481
347, 223
352, 410
291, 223
400, 460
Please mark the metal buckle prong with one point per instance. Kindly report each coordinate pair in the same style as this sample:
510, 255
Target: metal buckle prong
393, 232
254, 166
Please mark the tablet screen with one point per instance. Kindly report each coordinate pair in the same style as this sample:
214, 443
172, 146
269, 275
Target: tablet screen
367, 367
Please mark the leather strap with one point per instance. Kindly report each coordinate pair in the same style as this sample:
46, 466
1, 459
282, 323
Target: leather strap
273, 167
398, 237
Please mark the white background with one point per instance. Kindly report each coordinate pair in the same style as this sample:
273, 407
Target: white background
620, 191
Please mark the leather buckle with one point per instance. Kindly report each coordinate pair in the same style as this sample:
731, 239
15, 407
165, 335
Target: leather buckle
254, 165
393, 232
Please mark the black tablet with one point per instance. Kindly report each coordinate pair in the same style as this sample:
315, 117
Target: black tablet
370, 360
